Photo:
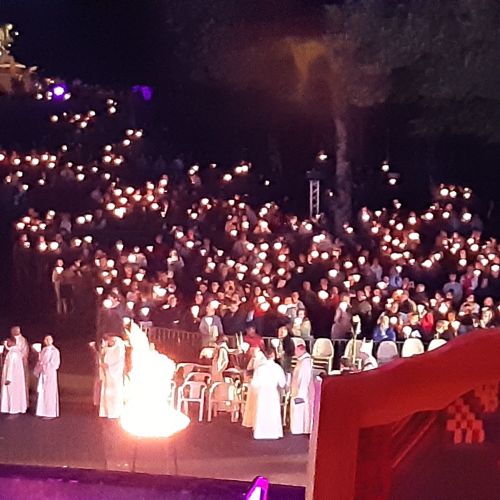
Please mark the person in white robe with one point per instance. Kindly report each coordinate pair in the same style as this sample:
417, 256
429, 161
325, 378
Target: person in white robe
24, 348
13, 393
111, 373
49, 360
302, 392
257, 359
268, 382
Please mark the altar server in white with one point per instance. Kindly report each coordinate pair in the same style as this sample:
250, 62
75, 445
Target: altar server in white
49, 360
13, 392
111, 374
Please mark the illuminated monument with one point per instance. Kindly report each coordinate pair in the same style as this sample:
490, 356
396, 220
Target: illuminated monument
13, 75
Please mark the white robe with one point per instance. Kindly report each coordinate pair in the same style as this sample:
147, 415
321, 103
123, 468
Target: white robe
13, 396
251, 401
47, 404
269, 378
112, 384
302, 387
24, 349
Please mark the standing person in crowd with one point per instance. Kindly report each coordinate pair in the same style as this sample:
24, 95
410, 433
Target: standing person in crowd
302, 391
56, 283
342, 321
220, 361
111, 372
49, 360
268, 381
210, 326
13, 393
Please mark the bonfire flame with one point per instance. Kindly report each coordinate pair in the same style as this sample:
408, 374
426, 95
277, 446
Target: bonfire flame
147, 412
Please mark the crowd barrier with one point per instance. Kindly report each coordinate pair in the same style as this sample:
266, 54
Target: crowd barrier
182, 345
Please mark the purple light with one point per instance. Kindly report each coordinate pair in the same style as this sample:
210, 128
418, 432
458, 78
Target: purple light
144, 90
259, 489
58, 90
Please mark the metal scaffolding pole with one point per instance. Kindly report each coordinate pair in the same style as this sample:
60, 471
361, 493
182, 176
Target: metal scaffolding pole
314, 198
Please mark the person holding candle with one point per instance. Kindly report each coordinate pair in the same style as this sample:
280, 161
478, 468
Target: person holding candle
49, 360
24, 349
111, 373
13, 398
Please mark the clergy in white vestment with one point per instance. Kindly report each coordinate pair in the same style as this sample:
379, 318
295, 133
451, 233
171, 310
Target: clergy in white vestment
257, 359
49, 360
111, 373
302, 392
13, 394
24, 348
268, 381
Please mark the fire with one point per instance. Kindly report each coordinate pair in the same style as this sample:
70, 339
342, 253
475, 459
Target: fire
147, 412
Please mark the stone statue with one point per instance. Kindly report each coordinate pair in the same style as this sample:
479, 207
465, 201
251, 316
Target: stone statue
5, 37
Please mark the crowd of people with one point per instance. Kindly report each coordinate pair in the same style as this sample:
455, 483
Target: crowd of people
191, 249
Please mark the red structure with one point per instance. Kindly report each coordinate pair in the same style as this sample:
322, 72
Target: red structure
360, 415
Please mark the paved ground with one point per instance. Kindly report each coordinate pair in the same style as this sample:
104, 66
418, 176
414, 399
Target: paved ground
220, 449
79, 438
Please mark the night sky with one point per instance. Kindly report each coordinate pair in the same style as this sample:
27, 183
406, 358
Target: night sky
121, 43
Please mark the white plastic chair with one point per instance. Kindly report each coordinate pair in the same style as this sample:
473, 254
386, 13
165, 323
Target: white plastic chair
412, 347
207, 353
224, 396
352, 349
243, 396
387, 351
171, 395
192, 391
187, 368
285, 403
435, 343
322, 354
198, 377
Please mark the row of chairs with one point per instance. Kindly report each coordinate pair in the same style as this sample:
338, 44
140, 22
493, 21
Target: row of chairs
228, 396
197, 388
323, 351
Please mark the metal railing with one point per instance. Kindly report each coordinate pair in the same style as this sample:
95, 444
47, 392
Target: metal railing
182, 345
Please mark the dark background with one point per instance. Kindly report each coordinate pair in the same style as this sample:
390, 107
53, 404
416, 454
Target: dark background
120, 43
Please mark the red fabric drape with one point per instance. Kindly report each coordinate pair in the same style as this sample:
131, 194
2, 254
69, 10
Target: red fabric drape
383, 396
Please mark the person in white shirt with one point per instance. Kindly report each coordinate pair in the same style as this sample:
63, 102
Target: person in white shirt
268, 381
49, 360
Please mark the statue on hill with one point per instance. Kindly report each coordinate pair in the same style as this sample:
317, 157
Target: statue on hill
6, 37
